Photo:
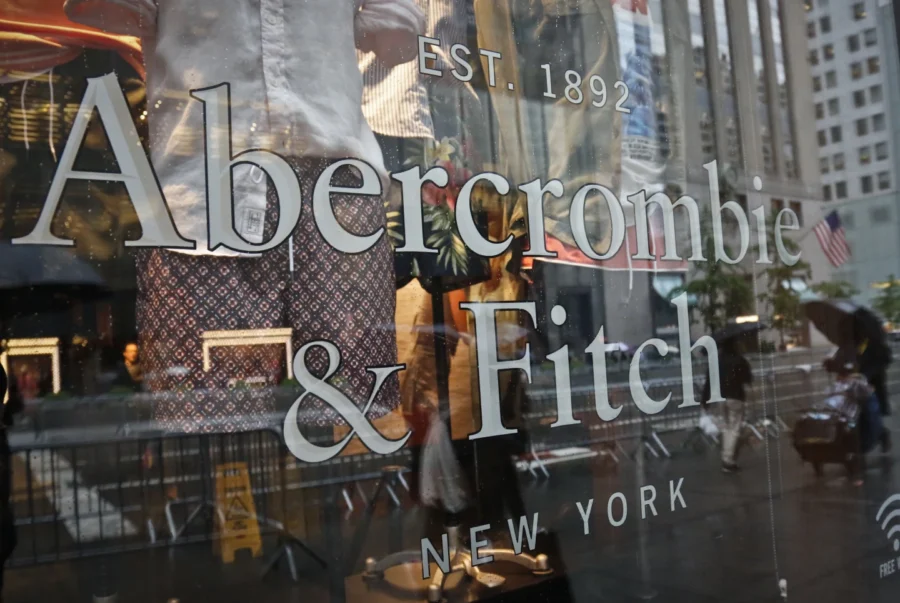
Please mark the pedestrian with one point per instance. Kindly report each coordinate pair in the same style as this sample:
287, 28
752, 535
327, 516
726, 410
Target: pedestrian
7, 524
857, 400
734, 375
129, 373
873, 358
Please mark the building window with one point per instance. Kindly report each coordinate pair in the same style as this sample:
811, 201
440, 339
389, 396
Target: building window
831, 79
880, 215
813, 57
826, 192
881, 151
853, 43
834, 106
865, 185
820, 110
859, 99
817, 84
856, 70
862, 126
840, 189
865, 155
824, 165
847, 221
836, 134
874, 65
825, 24
876, 93
884, 181
828, 51
838, 161
859, 11
797, 208
777, 206
823, 138
870, 37
811, 29
878, 122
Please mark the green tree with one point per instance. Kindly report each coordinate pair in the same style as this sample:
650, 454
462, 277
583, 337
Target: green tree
720, 291
780, 298
835, 289
888, 301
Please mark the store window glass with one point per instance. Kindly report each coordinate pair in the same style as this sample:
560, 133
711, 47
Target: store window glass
703, 99
399, 301
728, 101
784, 94
762, 89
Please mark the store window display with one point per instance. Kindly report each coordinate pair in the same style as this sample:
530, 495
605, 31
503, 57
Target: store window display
442, 304
288, 98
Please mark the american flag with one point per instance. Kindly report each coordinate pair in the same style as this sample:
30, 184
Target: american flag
831, 237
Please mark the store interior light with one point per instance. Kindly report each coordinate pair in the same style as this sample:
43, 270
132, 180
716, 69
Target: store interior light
745, 319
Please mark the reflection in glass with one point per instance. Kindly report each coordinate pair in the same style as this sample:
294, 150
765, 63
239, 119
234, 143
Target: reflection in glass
732, 151
762, 90
701, 83
787, 127
666, 123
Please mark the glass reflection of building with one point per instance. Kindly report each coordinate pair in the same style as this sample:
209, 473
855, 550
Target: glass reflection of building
730, 118
700, 116
762, 88
784, 95
705, 109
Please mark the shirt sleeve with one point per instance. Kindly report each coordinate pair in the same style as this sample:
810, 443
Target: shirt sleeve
390, 29
447, 23
123, 17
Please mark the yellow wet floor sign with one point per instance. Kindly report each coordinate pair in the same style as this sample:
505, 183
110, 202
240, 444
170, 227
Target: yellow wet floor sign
238, 526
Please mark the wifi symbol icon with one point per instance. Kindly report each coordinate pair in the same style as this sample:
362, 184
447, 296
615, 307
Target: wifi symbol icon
891, 522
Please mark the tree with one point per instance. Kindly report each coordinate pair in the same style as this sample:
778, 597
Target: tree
888, 301
780, 298
721, 290
835, 289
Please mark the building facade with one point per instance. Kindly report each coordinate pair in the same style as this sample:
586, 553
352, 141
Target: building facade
855, 71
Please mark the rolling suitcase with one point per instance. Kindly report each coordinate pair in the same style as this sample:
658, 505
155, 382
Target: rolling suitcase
827, 435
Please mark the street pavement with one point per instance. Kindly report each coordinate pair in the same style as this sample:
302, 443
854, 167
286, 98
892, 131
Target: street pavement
737, 536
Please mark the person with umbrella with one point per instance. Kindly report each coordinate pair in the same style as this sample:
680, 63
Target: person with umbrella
734, 375
859, 334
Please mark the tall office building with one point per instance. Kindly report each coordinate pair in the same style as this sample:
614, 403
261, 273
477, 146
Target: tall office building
732, 85
856, 85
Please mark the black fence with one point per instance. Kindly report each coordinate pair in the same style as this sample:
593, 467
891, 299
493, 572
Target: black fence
137, 489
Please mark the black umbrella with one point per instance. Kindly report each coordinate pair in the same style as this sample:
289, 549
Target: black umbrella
737, 329
36, 279
844, 322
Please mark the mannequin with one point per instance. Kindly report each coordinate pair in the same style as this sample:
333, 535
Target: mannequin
295, 90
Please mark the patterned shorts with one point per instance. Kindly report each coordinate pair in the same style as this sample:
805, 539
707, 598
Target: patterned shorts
347, 299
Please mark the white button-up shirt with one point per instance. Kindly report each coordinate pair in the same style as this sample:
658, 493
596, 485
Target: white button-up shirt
395, 99
296, 89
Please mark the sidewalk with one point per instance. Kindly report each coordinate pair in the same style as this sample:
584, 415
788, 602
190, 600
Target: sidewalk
723, 547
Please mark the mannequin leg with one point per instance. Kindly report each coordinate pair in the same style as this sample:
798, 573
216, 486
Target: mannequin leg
347, 299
